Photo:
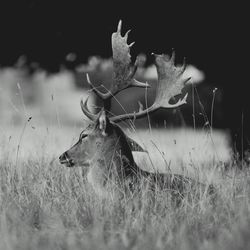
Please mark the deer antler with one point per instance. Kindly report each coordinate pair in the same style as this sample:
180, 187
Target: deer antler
124, 72
170, 84
85, 110
170, 80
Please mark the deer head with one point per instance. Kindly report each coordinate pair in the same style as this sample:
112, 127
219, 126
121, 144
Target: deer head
103, 139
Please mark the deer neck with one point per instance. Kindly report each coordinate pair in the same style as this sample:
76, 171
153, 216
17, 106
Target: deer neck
113, 163
107, 173
115, 160
115, 156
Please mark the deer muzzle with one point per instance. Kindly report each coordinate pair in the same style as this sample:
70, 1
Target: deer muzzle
65, 159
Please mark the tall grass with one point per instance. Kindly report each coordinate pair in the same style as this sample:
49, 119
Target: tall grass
44, 205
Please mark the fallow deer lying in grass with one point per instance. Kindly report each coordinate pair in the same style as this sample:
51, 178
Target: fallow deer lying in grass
103, 146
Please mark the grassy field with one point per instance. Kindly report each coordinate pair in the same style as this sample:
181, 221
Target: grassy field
44, 205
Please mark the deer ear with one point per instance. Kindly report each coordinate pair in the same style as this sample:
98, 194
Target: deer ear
103, 123
134, 146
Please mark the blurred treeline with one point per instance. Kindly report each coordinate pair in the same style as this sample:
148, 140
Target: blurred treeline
29, 91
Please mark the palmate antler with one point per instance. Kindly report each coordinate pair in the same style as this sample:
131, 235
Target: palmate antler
170, 81
170, 84
124, 72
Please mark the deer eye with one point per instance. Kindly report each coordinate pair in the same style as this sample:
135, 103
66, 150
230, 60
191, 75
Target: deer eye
82, 136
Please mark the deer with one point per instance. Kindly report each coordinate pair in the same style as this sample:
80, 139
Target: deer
104, 148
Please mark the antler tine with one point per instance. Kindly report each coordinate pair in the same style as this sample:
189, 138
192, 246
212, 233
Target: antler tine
119, 27
85, 110
170, 84
172, 59
183, 66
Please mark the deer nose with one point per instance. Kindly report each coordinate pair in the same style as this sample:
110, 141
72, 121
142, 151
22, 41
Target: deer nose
64, 158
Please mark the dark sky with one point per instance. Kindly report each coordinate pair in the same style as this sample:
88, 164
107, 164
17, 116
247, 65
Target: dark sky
212, 37
209, 36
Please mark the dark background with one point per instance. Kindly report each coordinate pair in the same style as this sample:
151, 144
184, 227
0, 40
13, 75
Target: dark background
212, 37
